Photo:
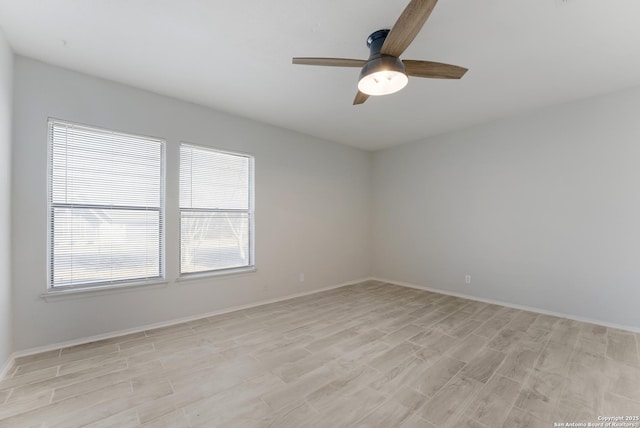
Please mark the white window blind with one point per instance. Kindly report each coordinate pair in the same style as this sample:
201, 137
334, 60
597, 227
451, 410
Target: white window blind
106, 206
216, 210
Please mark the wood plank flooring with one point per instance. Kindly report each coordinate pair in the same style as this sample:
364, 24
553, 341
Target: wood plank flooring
367, 355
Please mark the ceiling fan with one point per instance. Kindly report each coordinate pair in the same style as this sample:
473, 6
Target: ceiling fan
384, 72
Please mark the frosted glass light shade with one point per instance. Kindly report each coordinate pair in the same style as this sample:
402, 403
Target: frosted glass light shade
382, 76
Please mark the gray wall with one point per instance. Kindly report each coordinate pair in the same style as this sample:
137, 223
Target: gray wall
6, 88
312, 206
541, 210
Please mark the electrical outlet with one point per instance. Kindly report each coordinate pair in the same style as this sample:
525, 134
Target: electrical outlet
301, 277
467, 279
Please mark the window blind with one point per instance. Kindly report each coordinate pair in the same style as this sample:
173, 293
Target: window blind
106, 206
216, 210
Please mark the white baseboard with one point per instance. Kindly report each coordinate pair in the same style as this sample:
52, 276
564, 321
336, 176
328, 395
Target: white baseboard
109, 335
4, 369
511, 305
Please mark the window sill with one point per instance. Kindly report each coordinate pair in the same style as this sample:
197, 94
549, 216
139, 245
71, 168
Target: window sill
217, 274
74, 293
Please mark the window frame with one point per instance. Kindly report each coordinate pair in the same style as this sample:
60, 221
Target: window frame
251, 266
162, 219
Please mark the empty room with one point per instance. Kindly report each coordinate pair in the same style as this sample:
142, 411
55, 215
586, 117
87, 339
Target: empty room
393, 214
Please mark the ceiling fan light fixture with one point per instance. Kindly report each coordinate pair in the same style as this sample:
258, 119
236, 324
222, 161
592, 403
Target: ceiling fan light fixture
382, 76
384, 73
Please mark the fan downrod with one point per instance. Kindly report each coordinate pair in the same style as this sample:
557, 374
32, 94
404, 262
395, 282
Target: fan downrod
375, 42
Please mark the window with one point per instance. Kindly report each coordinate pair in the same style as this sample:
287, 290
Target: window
106, 206
216, 210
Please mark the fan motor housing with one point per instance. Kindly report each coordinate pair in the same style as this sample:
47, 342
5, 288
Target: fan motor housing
376, 60
382, 62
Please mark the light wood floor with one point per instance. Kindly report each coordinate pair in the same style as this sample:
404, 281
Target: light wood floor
368, 355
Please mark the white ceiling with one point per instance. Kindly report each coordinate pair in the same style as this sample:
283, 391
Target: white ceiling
235, 56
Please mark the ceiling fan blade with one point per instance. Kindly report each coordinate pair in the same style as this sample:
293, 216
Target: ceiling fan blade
331, 62
436, 70
360, 98
407, 27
